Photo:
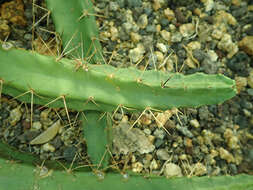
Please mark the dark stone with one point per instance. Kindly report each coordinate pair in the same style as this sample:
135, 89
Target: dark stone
158, 143
69, 153
209, 66
133, 3
199, 55
239, 63
164, 22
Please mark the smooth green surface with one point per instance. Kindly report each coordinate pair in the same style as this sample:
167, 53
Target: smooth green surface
83, 32
104, 87
96, 129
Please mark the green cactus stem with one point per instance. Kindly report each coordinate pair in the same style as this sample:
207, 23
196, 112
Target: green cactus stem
96, 128
103, 87
75, 22
16, 175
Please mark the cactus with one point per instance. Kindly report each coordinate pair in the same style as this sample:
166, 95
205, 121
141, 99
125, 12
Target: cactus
25, 175
97, 89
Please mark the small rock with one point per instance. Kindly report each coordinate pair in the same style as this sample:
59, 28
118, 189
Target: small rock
113, 6
184, 130
69, 153
165, 35
153, 165
194, 45
114, 33
227, 45
199, 169
217, 34
127, 140
162, 47
137, 167
176, 37
187, 30
137, 53
209, 5
241, 83
147, 131
4, 29
142, 21
246, 44
172, 170
156, 5
250, 79
48, 147
15, 116
145, 119
224, 154
212, 55
159, 56
222, 17
36, 125
169, 14
159, 133
162, 154
194, 123
135, 37
134, 3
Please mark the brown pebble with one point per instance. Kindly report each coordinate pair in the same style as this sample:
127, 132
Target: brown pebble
246, 44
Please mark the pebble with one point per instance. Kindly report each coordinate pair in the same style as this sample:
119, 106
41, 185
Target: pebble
36, 125
184, 130
250, 79
194, 123
4, 29
209, 5
48, 147
169, 14
246, 44
159, 56
137, 167
159, 133
153, 165
114, 33
176, 37
135, 37
227, 45
187, 30
162, 47
212, 55
199, 169
172, 170
142, 21
224, 154
133, 3
241, 83
113, 6
126, 140
194, 45
217, 34
69, 153
166, 35
137, 53
15, 116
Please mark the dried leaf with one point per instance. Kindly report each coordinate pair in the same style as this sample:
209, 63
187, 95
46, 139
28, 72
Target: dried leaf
48, 134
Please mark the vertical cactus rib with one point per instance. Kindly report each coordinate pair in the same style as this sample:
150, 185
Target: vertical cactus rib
75, 22
106, 86
96, 131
